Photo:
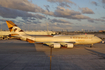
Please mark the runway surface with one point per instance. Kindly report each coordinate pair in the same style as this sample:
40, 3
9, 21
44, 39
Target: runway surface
20, 55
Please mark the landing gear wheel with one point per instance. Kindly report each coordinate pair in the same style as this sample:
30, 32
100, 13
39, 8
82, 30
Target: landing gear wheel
91, 45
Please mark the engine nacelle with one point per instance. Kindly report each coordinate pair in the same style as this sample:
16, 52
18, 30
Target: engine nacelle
56, 45
69, 45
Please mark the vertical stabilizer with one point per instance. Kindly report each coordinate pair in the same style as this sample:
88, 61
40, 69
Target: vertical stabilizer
14, 29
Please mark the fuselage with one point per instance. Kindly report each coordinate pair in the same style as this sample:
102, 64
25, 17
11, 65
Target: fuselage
76, 39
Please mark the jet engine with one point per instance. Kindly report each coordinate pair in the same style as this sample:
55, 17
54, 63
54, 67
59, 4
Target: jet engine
56, 45
69, 45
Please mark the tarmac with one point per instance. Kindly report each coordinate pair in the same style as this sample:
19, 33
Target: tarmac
20, 55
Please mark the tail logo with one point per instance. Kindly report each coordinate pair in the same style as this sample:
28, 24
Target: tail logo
13, 27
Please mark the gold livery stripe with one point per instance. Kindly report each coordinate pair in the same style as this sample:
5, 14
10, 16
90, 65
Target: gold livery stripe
14, 34
30, 41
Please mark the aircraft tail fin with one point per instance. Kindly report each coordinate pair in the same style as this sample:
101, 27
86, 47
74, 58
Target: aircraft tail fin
14, 29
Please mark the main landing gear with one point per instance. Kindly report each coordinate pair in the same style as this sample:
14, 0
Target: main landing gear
91, 45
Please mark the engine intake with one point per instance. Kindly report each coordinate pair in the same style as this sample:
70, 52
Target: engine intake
56, 45
69, 45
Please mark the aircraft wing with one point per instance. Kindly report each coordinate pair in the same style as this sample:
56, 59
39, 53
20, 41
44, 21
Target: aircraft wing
58, 44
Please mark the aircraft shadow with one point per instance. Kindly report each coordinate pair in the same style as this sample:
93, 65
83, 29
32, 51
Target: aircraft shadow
101, 55
25, 56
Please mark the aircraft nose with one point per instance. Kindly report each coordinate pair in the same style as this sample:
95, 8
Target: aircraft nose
99, 40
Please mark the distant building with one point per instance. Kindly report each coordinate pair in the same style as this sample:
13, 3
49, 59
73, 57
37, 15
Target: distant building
102, 31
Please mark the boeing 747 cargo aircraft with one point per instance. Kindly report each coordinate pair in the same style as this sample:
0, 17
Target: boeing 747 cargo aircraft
53, 41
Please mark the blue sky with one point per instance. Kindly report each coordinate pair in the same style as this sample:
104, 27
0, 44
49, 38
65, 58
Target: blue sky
59, 15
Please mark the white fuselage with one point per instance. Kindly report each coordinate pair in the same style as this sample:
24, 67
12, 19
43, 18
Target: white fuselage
77, 39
